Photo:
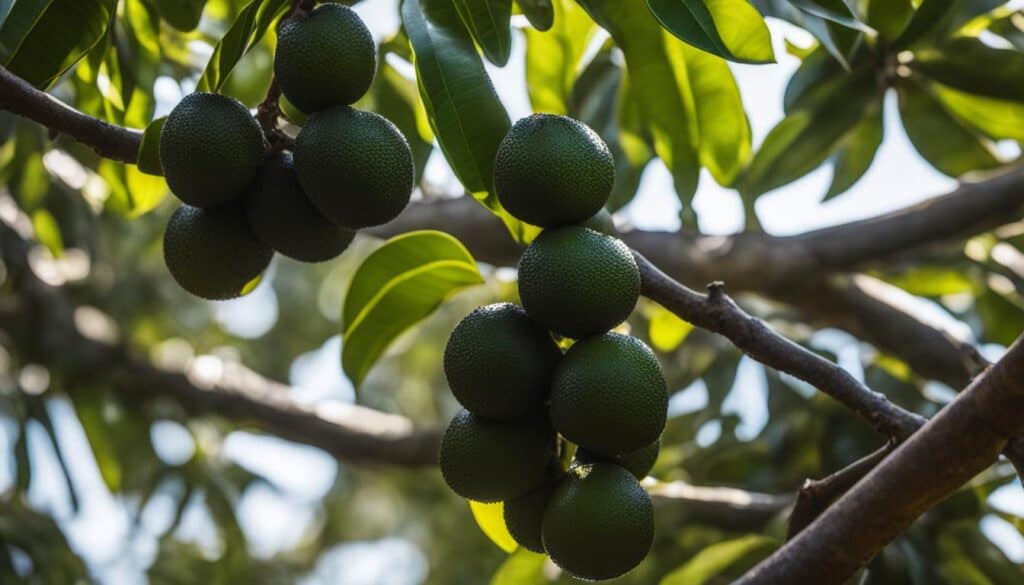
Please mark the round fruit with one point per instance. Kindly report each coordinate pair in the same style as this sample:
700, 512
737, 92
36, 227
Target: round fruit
553, 170
638, 462
283, 217
599, 523
578, 282
490, 461
355, 166
524, 516
609, 395
325, 58
499, 362
210, 149
212, 253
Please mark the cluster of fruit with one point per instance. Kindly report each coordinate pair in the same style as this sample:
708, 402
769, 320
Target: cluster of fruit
606, 395
349, 169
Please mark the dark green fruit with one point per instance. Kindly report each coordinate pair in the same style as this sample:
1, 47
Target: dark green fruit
499, 362
599, 523
325, 59
553, 171
524, 516
609, 395
490, 461
578, 282
213, 253
210, 149
638, 462
355, 166
284, 218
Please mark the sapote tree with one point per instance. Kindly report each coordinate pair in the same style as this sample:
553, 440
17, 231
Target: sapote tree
353, 175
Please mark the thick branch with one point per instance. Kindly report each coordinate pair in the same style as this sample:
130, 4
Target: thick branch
110, 141
960, 442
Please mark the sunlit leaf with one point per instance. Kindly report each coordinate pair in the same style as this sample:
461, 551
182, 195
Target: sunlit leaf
488, 23
248, 29
996, 119
523, 567
732, 29
132, 192
722, 562
666, 330
553, 57
47, 231
491, 520
956, 64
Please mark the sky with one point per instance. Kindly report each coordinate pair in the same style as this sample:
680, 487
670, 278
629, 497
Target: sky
275, 519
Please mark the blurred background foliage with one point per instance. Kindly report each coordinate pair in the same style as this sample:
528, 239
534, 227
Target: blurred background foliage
97, 485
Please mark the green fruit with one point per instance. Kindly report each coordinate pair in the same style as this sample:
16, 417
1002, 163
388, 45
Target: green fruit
578, 282
524, 516
355, 166
599, 523
638, 462
499, 362
553, 171
324, 59
490, 461
603, 222
609, 395
212, 253
210, 149
283, 217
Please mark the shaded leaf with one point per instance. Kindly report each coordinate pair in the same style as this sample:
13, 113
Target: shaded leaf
732, 29
728, 559
132, 192
834, 10
938, 18
398, 100
248, 29
856, 153
149, 152
491, 520
540, 13
889, 17
488, 23
183, 15
395, 287
956, 64
523, 567
553, 57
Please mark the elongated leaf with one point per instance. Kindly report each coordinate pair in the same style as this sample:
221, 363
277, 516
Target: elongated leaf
856, 153
889, 17
956, 64
732, 29
488, 23
810, 79
132, 192
398, 100
1011, 28
397, 285
553, 57
665, 330
183, 15
248, 29
149, 152
491, 520
39, 41
941, 139
47, 231
939, 18
523, 567
807, 137
722, 562
540, 13
996, 119
834, 10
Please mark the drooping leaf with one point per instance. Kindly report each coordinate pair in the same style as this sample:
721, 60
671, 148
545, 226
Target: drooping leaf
540, 13
398, 99
491, 520
149, 152
183, 15
948, 145
810, 79
47, 231
722, 562
889, 17
840, 42
834, 10
488, 23
553, 57
956, 64
39, 41
732, 29
856, 153
396, 286
132, 192
996, 119
248, 29
939, 18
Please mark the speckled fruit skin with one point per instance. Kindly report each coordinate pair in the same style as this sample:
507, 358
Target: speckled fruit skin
524, 516
210, 149
499, 362
324, 59
490, 461
609, 395
356, 167
284, 218
578, 282
638, 462
212, 253
553, 170
599, 523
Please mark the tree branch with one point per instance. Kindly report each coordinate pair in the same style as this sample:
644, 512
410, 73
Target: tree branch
960, 442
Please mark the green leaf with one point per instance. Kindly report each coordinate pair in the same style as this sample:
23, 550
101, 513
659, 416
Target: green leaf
722, 562
839, 41
834, 10
491, 520
149, 152
939, 18
39, 41
810, 79
398, 100
396, 286
488, 23
732, 29
523, 567
856, 153
932, 281
540, 13
996, 119
665, 330
948, 145
956, 64
1011, 28
808, 136
89, 406
889, 17
132, 192
47, 231
183, 15
248, 29
553, 57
